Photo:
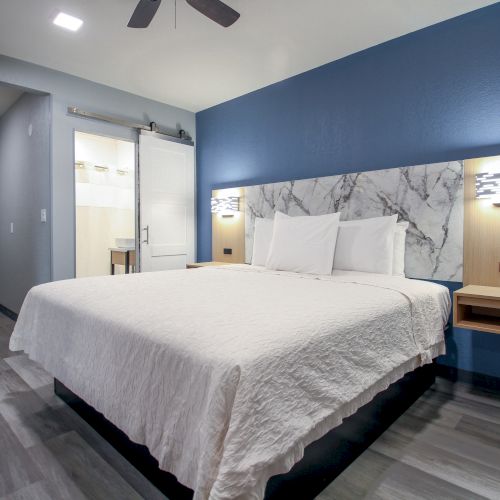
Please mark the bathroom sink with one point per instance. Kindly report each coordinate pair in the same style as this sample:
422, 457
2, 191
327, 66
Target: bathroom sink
125, 242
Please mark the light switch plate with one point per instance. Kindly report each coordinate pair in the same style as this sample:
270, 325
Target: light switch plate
43, 215
11, 228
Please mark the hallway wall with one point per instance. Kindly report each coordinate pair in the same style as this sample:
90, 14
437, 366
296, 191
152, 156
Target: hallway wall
24, 191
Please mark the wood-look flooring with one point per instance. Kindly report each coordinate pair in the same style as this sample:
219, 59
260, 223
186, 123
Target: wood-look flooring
446, 446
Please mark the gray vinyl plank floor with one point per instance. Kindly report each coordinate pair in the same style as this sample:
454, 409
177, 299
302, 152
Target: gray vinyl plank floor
446, 446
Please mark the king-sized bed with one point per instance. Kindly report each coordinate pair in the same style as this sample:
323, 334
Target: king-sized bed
227, 373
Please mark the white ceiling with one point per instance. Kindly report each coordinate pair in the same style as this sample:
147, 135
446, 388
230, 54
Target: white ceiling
8, 96
200, 64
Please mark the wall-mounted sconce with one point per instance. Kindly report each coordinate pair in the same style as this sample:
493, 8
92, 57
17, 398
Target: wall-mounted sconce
488, 186
225, 206
101, 168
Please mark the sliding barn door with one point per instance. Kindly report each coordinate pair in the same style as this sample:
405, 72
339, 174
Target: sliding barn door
167, 190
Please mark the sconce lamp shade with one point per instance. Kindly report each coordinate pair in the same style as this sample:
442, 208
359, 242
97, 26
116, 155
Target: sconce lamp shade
487, 185
227, 205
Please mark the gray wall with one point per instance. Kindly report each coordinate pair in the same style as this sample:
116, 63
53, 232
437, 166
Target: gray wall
24, 191
65, 91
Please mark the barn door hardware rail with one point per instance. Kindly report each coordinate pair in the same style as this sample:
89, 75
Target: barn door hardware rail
151, 127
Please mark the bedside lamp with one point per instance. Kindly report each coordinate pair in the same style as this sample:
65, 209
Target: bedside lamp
488, 186
226, 207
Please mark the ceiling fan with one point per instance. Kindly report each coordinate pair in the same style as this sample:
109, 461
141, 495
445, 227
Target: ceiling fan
214, 9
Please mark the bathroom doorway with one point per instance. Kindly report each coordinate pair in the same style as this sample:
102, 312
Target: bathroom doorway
105, 199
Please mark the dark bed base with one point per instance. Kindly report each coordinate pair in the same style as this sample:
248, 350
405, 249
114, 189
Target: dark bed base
323, 460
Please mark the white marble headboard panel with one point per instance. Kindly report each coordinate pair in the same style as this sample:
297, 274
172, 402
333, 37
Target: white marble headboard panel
430, 197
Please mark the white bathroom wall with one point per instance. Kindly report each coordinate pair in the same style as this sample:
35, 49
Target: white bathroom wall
105, 200
125, 155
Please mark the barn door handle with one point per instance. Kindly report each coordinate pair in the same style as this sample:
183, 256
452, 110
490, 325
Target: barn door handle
147, 234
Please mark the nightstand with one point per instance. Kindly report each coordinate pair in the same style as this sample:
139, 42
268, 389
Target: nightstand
477, 307
196, 265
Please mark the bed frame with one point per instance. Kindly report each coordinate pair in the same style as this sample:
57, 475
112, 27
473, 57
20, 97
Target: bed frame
323, 459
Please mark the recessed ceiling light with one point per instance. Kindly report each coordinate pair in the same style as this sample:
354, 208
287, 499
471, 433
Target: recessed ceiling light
69, 22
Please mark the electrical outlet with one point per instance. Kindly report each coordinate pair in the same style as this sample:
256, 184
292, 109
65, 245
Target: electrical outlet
43, 215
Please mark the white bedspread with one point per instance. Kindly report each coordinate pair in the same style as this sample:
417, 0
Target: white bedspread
226, 374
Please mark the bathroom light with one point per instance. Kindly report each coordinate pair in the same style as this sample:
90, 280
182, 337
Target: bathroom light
225, 206
101, 168
68, 22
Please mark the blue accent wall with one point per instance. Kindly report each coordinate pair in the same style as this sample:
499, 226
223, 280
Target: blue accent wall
430, 96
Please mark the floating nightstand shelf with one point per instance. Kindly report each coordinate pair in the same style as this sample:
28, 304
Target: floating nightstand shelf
477, 307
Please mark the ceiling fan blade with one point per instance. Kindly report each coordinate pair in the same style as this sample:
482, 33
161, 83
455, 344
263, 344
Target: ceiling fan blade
216, 11
144, 13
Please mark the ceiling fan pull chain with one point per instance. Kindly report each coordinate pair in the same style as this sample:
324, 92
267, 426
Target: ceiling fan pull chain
175, 14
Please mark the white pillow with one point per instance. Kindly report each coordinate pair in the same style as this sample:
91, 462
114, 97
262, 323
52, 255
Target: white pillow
398, 260
366, 245
262, 236
303, 244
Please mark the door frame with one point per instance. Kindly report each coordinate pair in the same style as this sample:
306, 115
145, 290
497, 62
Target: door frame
122, 133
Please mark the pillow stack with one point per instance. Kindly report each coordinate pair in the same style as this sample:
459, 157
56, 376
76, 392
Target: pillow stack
318, 244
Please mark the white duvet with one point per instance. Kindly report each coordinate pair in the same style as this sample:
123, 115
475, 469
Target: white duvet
226, 374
